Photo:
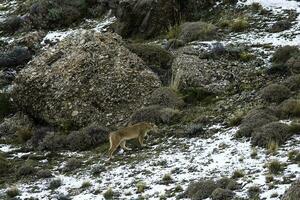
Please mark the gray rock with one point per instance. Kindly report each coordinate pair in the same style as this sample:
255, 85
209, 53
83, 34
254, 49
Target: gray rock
88, 77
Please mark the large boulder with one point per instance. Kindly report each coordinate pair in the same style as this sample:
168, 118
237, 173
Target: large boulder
189, 71
88, 77
145, 18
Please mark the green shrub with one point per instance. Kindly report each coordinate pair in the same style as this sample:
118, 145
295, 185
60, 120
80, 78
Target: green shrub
109, 194
273, 132
4, 165
293, 64
281, 57
78, 140
86, 184
253, 192
294, 156
246, 56
238, 174
194, 130
240, 24
227, 183
44, 173
53, 142
275, 93
54, 184
191, 31
141, 186
72, 164
236, 118
283, 54
5, 105
193, 95
155, 114
200, 190
269, 178
26, 169
165, 97
167, 178
12, 192
275, 167
222, 194
24, 134
174, 32
290, 108
293, 82
255, 119
256, 7
280, 26
153, 55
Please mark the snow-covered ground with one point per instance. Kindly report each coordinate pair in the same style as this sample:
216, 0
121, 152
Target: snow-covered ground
186, 160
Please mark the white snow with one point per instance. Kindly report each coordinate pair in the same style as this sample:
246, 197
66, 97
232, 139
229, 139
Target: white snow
7, 148
186, 160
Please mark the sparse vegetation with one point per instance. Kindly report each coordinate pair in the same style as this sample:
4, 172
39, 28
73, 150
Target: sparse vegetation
4, 165
200, 190
174, 32
275, 167
26, 169
167, 178
239, 24
275, 93
72, 164
12, 192
44, 173
222, 194
275, 133
109, 194
24, 134
191, 31
269, 178
290, 108
54, 184
86, 184
253, 192
294, 156
141, 186
238, 174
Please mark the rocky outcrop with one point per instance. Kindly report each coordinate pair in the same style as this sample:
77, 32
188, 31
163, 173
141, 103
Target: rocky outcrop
88, 77
189, 71
145, 18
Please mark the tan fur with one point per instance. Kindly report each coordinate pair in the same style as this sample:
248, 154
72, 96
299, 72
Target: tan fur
118, 138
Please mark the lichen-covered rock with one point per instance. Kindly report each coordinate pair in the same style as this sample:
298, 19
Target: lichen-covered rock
189, 71
88, 77
293, 193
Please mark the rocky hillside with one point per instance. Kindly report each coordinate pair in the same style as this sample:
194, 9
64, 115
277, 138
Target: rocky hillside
220, 78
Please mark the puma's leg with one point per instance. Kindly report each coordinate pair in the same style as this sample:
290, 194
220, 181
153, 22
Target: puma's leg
123, 145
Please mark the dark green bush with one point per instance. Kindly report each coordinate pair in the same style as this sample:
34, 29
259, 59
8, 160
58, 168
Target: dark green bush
290, 108
222, 194
78, 140
281, 57
4, 165
5, 105
155, 114
44, 173
274, 132
12, 192
39, 134
255, 119
253, 192
165, 97
240, 24
191, 31
275, 167
200, 190
227, 183
54, 142
24, 134
293, 82
294, 64
72, 164
195, 94
26, 170
275, 93
280, 26
54, 184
